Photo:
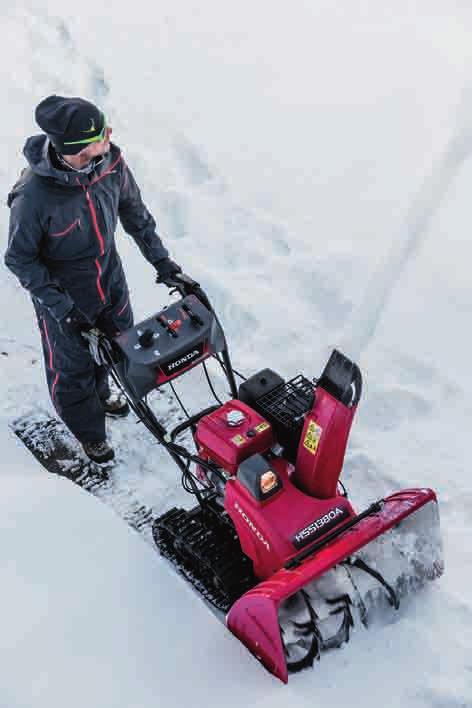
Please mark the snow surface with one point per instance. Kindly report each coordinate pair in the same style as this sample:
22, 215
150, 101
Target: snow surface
308, 163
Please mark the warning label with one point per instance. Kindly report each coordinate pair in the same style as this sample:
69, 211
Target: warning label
312, 437
238, 440
262, 426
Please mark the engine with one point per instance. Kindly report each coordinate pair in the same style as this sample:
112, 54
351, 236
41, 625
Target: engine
281, 447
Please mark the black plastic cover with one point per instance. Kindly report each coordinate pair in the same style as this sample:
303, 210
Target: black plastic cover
342, 379
162, 346
258, 385
285, 407
250, 472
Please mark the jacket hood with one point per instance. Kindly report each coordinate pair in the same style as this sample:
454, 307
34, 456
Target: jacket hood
36, 151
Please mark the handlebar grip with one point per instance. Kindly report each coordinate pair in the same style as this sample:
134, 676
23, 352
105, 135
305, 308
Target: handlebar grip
186, 285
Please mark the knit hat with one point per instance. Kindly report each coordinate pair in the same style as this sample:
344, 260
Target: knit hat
70, 123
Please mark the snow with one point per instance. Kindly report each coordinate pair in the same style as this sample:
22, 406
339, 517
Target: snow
308, 163
89, 617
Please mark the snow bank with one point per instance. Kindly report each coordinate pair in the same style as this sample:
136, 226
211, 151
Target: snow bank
90, 615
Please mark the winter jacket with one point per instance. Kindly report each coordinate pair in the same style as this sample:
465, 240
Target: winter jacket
61, 242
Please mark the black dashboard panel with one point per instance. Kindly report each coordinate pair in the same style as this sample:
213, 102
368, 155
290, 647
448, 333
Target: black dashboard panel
165, 345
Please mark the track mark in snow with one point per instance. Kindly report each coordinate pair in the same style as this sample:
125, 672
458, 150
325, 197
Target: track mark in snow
54, 47
324, 286
192, 161
405, 244
277, 235
177, 208
55, 447
99, 88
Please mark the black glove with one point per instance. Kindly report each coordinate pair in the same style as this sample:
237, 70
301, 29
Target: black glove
74, 322
165, 270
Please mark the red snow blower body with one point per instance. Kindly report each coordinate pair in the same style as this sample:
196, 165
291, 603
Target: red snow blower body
272, 518
278, 507
290, 519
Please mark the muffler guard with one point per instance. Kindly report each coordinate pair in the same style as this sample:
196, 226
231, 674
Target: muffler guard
407, 556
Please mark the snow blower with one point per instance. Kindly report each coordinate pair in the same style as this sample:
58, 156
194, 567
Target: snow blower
273, 542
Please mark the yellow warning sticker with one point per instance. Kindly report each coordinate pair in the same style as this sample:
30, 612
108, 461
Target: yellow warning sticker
312, 437
238, 440
262, 426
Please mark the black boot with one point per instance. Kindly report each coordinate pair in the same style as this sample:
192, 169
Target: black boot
99, 451
116, 406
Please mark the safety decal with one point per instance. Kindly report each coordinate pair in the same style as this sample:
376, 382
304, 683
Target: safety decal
312, 437
238, 440
262, 426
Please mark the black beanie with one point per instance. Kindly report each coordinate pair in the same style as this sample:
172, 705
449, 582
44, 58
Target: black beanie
68, 120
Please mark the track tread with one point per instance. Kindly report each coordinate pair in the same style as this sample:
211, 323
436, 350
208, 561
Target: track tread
212, 560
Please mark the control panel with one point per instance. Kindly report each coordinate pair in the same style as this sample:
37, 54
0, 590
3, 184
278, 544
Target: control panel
165, 345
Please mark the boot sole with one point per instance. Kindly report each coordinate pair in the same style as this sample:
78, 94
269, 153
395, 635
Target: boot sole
110, 455
102, 460
118, 414
111, 414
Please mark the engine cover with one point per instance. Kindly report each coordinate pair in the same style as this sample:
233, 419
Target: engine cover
233, 433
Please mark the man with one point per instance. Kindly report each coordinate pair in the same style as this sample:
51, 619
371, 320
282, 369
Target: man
64, 212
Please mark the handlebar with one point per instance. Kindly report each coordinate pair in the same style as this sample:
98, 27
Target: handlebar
185, 285
101, 348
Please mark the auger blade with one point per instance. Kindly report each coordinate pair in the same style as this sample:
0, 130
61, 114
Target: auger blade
400, 544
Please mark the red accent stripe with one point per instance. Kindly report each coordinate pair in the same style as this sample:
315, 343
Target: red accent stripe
91, 205
107, 172
46, 334
53, 389
99, 285
51, 364
124, 307
95, 223
69, 228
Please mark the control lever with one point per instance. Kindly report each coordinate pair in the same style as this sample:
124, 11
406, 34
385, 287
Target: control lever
146, 339
196, 319
166, 324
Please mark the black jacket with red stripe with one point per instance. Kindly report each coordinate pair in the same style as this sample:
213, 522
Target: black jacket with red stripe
61, 242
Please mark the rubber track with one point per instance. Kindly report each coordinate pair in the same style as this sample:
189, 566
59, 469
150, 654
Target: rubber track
209, 548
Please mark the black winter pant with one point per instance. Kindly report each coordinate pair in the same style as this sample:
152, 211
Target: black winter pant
77, 386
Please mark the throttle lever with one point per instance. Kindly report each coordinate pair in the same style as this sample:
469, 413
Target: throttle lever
193, 315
